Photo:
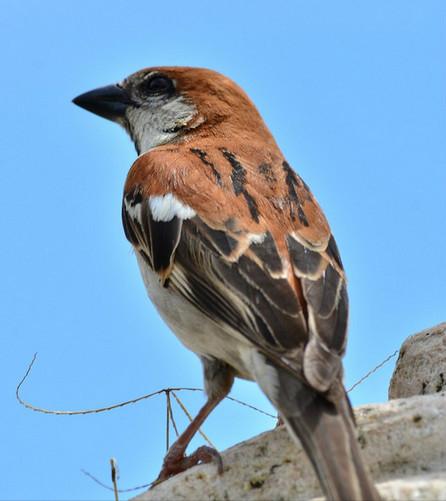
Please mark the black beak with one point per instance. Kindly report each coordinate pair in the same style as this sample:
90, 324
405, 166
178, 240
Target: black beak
109, 102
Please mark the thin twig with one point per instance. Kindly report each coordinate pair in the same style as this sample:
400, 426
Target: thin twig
168, 414
251, 407
114, 475
86, 411
180, 403
173, 419
108, 487
149, 395
372, 371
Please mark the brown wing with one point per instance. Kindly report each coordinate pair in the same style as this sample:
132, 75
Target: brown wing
257, 255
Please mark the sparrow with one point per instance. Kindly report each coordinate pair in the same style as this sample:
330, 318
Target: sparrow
239, 260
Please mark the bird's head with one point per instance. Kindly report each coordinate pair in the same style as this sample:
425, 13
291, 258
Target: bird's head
169, 104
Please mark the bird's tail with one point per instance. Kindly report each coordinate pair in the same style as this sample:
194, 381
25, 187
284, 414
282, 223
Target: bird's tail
328, 437
326, 432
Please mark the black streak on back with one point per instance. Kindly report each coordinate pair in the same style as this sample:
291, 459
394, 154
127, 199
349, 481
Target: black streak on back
293, 182
202, 156
238, 178
267, 172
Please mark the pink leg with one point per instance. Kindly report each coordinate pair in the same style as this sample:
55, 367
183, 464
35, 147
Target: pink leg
175, 460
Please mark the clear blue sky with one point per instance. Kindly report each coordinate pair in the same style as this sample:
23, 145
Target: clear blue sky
355, 93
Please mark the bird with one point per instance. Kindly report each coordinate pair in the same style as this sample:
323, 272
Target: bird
239, 260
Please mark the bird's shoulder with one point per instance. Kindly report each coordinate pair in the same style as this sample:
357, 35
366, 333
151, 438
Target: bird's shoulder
242, 186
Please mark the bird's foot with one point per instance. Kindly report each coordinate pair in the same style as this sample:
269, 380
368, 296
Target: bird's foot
176, 462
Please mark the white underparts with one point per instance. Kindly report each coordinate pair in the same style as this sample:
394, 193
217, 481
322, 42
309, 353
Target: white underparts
264, 373
166, 207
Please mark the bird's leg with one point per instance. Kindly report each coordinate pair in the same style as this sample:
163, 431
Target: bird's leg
218, 381
176, 461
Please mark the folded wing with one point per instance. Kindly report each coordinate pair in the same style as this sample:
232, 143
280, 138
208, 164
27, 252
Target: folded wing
244, 241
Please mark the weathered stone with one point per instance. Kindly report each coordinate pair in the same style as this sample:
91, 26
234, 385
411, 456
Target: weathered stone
428, 487
421, 366
403, 442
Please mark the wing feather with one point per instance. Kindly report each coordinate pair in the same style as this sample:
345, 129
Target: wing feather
156, 240
274, 275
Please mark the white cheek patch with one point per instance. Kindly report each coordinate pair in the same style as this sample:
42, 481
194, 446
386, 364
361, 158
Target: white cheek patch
166, 207
159, 123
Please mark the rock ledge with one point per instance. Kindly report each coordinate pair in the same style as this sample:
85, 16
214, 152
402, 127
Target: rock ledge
403, 441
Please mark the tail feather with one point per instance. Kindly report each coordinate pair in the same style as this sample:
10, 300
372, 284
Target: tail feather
328, 437
326, 431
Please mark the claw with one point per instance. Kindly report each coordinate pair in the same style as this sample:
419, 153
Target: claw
176, 462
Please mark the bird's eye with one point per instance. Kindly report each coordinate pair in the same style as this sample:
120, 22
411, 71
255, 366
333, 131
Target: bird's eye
158, 84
